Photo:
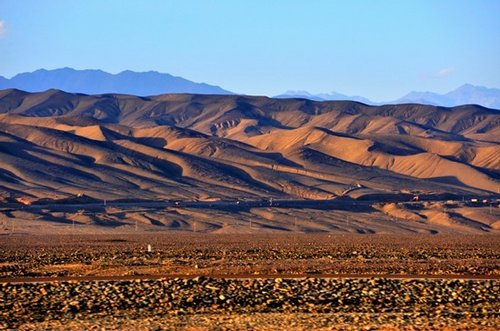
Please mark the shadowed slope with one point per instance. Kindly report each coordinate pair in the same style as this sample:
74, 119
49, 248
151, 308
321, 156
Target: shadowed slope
257, 142
56, 144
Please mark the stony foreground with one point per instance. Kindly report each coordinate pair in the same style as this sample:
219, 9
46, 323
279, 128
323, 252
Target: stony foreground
235, 255
208, 303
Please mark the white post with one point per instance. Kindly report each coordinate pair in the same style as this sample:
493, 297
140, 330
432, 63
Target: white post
149, 248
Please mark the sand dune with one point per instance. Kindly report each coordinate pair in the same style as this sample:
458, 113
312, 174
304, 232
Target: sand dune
412, 158
57, 144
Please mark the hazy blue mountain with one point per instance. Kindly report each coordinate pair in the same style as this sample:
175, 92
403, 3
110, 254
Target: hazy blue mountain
323, 96
428, 98
470, 94
98, 82
339, 96
299, 94
154, 83
465, 94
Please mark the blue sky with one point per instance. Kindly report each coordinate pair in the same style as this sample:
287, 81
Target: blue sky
377, 49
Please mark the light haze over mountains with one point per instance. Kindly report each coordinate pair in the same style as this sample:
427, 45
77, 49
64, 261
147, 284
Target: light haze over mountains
465, 94
154, 83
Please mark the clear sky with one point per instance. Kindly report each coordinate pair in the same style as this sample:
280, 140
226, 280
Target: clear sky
377, 49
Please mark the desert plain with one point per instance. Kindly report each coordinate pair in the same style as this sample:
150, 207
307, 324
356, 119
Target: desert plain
259, 281
237, 212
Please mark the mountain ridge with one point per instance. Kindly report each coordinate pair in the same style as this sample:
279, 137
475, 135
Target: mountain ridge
150, 83
57, 145
332, 96
95, 81
411, 140
463, 95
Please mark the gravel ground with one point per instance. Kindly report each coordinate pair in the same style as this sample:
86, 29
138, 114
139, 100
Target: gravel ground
175, 254
208, 303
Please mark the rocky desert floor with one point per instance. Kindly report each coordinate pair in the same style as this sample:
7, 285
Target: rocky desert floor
250, 281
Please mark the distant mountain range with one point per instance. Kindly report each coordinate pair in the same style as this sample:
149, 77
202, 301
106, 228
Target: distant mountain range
465, 94
154, 83
333, 96
100, 82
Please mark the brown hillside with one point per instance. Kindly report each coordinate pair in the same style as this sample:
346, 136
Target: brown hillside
57, 145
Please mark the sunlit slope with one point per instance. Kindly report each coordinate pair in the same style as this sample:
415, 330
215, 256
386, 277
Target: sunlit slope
201, 146
452, 162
